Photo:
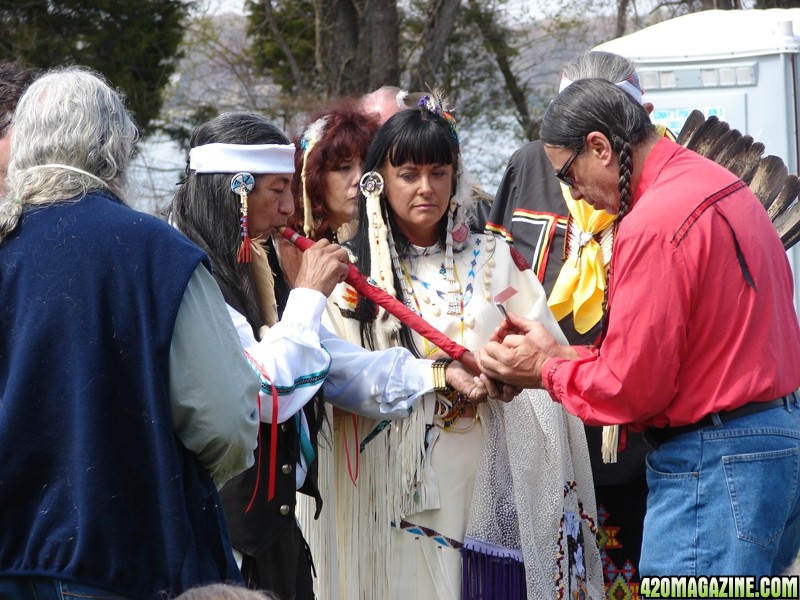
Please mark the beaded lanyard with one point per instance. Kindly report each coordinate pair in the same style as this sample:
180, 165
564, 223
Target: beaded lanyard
241, 185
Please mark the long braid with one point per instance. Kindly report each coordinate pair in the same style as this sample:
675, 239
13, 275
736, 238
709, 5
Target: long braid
624, 151
585, 106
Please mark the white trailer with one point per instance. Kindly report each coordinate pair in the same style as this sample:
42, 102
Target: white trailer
740, 65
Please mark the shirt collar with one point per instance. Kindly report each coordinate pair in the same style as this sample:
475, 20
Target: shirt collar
659, 155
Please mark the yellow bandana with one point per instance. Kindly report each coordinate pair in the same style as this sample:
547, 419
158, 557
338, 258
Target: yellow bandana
581, 283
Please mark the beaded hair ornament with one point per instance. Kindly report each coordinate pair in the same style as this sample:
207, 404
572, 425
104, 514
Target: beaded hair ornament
371, 186
310, 138
383, 250
242, 184
433, 102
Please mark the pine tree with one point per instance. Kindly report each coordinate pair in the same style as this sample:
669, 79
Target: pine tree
134, 44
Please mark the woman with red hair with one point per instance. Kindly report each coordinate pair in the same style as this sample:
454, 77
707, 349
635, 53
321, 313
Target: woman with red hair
328, 166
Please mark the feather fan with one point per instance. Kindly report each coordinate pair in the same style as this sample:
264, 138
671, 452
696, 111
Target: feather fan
768, 177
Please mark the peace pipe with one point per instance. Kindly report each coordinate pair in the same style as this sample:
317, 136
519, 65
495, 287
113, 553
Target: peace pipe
395, 307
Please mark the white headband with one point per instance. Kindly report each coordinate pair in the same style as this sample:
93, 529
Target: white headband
233, 158
632, 90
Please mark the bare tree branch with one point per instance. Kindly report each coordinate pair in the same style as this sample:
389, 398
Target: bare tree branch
434, 38
497, 45
622, 17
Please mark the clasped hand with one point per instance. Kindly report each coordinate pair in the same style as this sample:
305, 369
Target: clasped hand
477, 388
516, 352
323, 265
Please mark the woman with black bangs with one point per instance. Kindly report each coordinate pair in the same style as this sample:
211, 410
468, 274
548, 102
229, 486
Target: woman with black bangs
502, 488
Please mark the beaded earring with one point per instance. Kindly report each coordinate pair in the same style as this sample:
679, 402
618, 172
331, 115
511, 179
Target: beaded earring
242, 184
371, 186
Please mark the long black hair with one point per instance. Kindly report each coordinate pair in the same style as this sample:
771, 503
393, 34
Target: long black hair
411, 136
207, 212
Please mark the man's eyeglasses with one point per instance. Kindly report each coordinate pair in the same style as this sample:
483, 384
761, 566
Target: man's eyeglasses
561, 174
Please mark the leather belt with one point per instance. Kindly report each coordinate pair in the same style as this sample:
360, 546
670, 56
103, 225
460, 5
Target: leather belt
659, 435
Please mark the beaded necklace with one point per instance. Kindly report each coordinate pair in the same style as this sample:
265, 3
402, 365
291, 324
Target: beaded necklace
415, 300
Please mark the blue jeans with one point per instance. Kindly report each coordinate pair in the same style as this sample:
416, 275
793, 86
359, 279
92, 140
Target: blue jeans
46, 588
725, 499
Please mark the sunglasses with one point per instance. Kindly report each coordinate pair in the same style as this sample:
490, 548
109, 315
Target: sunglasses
561, 174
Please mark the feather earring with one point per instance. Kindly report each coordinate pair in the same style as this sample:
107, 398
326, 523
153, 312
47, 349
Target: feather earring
242, 184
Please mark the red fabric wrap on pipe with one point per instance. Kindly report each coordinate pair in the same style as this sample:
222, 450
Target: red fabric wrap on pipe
396, 308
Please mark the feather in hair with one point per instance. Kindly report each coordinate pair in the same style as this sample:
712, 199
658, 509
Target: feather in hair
310, 139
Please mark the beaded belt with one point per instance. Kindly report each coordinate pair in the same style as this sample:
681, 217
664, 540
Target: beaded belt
659, 435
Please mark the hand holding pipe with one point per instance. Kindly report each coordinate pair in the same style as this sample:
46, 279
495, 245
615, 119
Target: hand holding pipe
396, 308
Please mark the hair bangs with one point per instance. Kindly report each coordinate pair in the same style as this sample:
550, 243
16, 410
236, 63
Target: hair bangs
422, 143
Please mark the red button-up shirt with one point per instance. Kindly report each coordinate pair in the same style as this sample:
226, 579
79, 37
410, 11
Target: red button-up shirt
687, 334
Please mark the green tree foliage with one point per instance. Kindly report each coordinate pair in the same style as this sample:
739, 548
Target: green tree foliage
134, 44
325, 47
283, 42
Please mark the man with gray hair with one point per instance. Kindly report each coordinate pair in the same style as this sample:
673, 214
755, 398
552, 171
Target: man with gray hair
119, 415
383, 102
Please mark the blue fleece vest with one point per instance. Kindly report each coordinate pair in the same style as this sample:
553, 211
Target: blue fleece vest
94, 485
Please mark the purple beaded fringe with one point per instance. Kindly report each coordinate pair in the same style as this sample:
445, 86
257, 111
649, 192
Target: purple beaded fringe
489, 572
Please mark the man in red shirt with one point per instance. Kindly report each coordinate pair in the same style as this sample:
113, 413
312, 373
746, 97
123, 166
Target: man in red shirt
701, 345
